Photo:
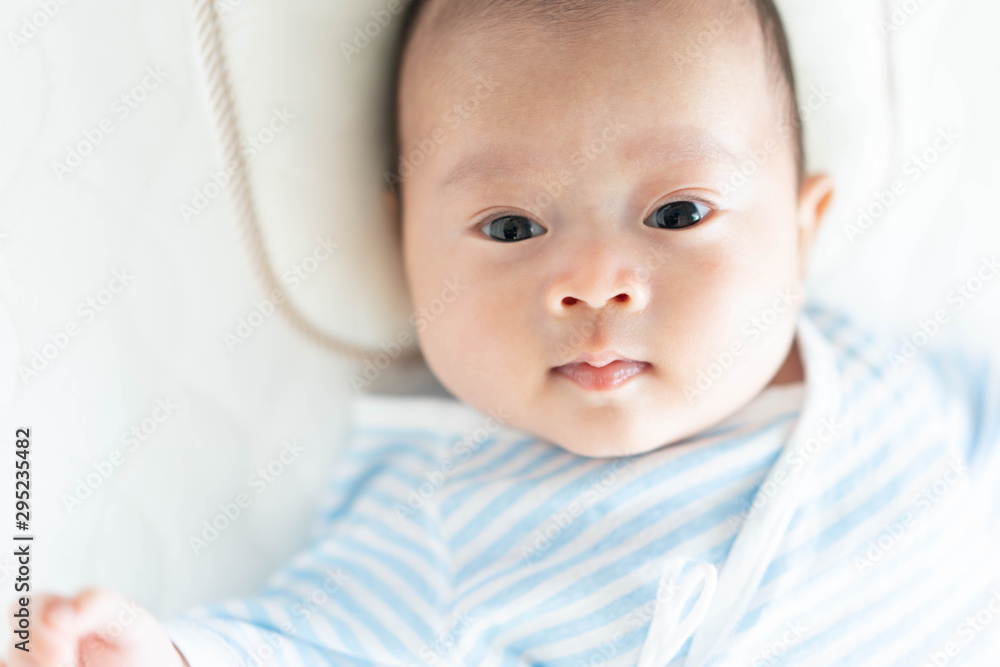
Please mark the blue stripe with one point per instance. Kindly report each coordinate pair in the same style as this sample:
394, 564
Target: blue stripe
301, 619
508, 454
504, 502
402, 435
361, 613
476, 485
609, 573
615, 609
562, 498
631, 641
861, 617
378, 526
258, 611
400, 567
859, 476
867, 468
219, 613
630, 606
843, 527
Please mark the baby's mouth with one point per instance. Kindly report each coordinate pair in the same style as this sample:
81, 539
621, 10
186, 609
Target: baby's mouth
602, 376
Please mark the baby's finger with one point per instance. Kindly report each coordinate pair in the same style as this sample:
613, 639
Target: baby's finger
97, 610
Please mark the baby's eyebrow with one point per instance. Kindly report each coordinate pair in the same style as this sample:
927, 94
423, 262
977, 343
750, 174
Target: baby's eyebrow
495, 162
506, 161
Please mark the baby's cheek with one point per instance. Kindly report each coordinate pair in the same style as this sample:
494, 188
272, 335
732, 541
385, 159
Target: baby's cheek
707, 309
462, 336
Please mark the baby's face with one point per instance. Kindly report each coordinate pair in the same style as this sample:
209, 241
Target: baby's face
612, 166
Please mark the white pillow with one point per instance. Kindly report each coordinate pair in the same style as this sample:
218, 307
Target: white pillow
324, 174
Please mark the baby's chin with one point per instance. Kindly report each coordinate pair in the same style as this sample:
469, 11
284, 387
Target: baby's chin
613, 432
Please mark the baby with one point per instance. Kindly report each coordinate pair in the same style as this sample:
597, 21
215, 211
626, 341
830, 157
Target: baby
660, 455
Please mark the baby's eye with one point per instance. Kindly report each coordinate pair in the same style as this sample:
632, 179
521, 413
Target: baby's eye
511, 228
678, 215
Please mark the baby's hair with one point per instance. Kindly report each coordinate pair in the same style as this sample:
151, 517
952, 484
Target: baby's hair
573, 15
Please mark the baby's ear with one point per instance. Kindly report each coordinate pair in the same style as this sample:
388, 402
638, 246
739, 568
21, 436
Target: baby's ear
814, 201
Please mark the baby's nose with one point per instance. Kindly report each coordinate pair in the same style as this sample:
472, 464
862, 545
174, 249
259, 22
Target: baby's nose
624, 289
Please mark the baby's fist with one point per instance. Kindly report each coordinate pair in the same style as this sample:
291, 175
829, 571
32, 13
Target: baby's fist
97, 628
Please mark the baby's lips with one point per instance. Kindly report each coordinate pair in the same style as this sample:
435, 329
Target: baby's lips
602, 378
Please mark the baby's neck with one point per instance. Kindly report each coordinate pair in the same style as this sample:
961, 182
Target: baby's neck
791, 371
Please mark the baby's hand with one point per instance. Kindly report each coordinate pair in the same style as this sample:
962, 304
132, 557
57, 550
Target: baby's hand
97, 628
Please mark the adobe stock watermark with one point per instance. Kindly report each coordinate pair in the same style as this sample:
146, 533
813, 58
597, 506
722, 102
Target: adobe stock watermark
425, 316
922, 503
223, 7
554, 182
424, 149
43, 356
34, 23
219, 181
967, 631
121, 109
912, 171
900, 13
441, 649
597, 489
293, 278
709, 32
666, 591
961, 296
803, 453
604, 652
578, 338
334, 581
231, 511
364, 35
759, 157
461, 452
793, 634
966, 291
131, 441
95, 644
783, 305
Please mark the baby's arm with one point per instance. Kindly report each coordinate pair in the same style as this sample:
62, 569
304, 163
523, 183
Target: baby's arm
96, 628
373, 587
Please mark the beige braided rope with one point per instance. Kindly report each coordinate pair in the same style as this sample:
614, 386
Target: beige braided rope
215, 75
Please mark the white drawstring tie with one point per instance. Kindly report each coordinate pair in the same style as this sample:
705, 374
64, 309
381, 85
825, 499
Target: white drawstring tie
667, 633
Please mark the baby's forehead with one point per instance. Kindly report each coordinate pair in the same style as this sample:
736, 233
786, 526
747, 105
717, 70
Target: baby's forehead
449, 39
646, 44
699, 23
457, 44
575, 15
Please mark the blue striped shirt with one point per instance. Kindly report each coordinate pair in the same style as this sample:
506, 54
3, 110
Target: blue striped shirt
849, 520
